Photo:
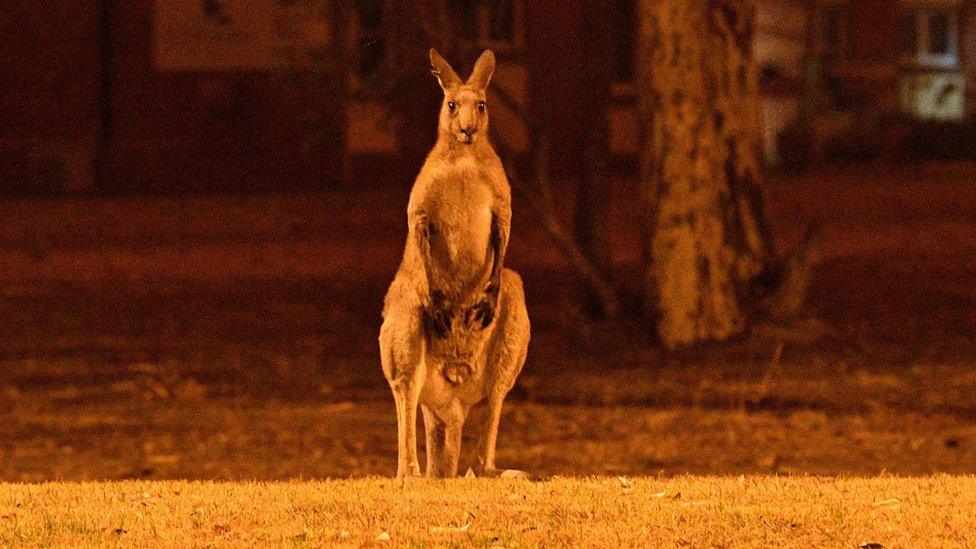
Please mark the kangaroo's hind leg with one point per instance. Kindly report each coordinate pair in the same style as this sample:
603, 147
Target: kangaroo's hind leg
402, 355
443, 440
506, 356
485, 461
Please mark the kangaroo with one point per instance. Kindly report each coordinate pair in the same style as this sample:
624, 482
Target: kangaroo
455, 329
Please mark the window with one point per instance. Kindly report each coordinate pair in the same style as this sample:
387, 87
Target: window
490, 23
930, 37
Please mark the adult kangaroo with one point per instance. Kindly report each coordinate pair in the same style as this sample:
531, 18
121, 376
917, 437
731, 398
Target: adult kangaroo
455, 329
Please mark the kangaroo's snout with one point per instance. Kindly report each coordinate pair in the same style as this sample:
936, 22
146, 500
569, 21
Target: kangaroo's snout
468, 116
468, 133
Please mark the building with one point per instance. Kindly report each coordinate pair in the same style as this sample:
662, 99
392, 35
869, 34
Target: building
162, 95
837, 68
203, 95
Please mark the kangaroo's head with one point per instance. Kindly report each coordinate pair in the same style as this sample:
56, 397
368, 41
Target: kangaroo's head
464, 117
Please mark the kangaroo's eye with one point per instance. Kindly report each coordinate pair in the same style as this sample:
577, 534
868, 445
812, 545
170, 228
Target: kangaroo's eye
481, 106
451, 105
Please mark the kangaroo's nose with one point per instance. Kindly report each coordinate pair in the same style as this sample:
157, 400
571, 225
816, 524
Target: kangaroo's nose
469, 131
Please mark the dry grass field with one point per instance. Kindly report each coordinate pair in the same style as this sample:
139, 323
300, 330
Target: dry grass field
598, 512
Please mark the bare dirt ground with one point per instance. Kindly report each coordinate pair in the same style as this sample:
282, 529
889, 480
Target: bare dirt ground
234, 337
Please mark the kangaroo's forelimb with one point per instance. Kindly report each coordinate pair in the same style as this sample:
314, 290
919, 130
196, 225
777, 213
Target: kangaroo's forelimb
438, 313
483, 312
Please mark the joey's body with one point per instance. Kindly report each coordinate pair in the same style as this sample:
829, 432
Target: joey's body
455, 329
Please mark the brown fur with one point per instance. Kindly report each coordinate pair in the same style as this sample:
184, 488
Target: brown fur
455, 329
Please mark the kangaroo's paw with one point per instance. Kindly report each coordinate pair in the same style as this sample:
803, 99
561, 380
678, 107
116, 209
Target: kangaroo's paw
439, 315
483, 312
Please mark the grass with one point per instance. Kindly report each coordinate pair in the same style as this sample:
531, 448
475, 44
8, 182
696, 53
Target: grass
607, 512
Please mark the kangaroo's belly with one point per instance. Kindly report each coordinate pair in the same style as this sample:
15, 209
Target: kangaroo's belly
460, 244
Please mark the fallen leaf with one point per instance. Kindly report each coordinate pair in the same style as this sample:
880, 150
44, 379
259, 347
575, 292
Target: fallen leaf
514, 473
384, 536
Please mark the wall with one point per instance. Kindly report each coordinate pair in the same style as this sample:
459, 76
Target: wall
187, 118
48, 113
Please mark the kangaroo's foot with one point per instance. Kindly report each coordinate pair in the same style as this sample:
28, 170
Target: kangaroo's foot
408, 471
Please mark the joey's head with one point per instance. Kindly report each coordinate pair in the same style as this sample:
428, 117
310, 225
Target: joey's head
464, 116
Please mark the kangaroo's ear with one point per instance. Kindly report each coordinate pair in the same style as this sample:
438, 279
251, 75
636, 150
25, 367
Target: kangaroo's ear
443, 71
483, 69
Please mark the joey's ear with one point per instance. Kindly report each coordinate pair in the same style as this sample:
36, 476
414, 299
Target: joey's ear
483, 69
443, 71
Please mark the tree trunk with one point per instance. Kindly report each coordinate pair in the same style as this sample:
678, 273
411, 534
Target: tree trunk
704, 237
590, 221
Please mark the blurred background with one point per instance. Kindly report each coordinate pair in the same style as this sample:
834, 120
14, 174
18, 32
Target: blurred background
747, 231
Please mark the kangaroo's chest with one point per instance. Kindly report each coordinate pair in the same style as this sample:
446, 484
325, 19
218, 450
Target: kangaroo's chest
459, 205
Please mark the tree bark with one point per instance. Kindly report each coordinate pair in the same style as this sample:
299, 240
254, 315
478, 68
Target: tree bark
704, 236
591, 216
